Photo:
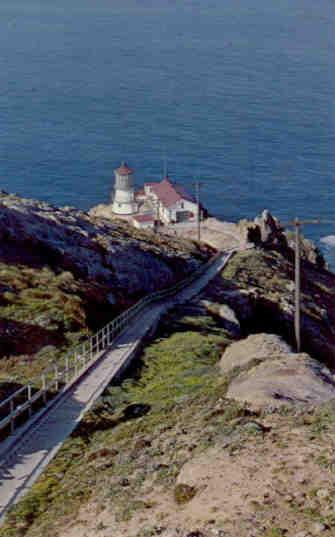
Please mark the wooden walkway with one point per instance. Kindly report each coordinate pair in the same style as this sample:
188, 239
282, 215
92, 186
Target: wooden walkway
21, 465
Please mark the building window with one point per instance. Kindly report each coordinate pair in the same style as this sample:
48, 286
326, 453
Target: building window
182, 205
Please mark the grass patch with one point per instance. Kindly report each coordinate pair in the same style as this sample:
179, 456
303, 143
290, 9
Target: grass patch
112, 453
42, 316
184, 493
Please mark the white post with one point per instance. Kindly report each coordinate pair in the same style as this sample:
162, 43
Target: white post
84, 352
91, 348
75, 364
66, 370
56, 377
44, 388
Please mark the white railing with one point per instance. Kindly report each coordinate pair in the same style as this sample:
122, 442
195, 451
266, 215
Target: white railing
60, 375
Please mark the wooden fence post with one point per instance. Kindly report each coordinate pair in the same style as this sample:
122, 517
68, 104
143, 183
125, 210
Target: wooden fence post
56, 377
91, 348
44, 388
66, 369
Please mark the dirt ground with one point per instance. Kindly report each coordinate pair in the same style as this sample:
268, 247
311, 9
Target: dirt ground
278, 483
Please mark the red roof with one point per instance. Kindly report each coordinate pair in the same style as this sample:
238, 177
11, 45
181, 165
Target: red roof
144, 218
139, 193
170, 193
124, 169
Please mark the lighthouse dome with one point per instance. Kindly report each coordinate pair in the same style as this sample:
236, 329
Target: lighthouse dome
124, 195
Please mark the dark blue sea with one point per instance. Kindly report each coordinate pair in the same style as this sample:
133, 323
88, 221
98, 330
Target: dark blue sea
239, 94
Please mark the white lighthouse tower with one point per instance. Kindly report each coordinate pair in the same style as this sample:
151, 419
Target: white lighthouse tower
124, 199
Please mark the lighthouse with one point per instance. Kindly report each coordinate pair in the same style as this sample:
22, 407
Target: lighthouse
124, 199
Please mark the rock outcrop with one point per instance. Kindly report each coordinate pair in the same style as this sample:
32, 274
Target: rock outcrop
258, 284
257, 347
264, 231
267, 232
125, 262
266, 372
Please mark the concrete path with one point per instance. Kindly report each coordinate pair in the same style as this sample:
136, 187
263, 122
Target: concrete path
40, 442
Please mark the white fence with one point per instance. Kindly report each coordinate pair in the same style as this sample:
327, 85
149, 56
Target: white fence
60, 375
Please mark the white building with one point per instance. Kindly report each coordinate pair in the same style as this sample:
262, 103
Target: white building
163, 201
171, 201
144, 221
124, 195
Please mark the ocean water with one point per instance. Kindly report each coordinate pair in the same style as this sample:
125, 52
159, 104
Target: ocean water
239, 94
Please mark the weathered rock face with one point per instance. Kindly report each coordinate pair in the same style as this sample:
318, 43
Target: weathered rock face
264, 230
267, 232
226, 315
255, 347
309, 251
267, 372
125, 262
259, 286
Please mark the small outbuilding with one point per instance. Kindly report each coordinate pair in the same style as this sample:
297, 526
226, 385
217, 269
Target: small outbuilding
144, 221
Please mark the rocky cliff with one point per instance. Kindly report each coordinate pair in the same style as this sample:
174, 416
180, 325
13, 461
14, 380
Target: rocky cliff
125, 261
64, 273
258, 284
221, 429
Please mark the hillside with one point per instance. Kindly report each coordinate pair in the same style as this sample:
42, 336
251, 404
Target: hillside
63, 274
220, 430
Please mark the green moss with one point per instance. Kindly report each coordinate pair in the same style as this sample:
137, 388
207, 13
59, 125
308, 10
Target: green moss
48, 315
275, 532
184, 493
177, 378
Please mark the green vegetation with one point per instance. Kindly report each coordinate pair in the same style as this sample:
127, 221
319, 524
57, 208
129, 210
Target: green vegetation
275, 532
266, 270
184, 493
114, 450
42, 316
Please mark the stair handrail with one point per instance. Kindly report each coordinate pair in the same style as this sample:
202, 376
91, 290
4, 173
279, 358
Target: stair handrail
63, 373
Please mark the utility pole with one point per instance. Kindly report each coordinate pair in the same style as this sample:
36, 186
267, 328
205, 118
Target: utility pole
156, 224
165, 168
297, 310
197, 190
297, 247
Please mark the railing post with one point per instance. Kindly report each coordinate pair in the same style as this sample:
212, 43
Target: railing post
85, 353
91, 348
30, 410
75, 364
66, 369
44, 388
56, 377
12, 418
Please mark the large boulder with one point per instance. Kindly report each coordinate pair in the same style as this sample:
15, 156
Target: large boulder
255, 347
226, 314
265, 372
264, 231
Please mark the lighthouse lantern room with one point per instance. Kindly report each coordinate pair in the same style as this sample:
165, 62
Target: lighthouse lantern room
124, 197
